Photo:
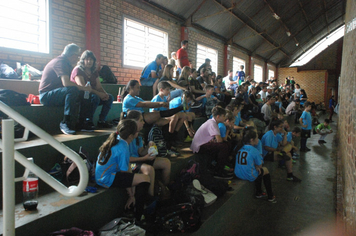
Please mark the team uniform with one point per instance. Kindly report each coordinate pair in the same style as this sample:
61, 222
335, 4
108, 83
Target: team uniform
270, 140
241, 76
222, 128
246, 160
158, 98
130, 103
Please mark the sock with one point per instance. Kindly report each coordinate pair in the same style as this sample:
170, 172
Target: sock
170, 112
268, 184
258, 185
140, 196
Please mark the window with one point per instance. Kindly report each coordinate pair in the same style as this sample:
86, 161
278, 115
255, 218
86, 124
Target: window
205, 52
236, 63
24, 25
258, 73
142, 43
270, 74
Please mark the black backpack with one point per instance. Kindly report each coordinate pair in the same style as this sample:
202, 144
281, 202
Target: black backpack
107, 75
12, 98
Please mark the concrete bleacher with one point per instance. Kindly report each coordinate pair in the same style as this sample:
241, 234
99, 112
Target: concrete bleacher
93, 210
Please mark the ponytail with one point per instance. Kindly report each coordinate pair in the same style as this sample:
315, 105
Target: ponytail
129, 85
125, 128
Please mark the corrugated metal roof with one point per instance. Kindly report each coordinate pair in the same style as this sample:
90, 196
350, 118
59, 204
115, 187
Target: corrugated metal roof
251, 24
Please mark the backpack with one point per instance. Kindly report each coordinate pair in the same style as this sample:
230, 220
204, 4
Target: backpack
217, 186
155, 135
7, 72
73, 231
186, 176
183, 217
70, 169
107, 75
12, 98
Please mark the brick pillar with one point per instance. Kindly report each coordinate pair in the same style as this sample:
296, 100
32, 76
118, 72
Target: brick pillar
265, 71
92, 27
250, 67
184, 33
226, 58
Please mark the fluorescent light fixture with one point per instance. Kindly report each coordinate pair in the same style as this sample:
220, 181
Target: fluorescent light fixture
319, 47
276, 16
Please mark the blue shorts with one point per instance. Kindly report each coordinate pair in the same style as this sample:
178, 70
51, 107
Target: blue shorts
148, 82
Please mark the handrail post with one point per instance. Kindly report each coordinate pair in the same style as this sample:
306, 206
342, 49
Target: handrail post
8, 179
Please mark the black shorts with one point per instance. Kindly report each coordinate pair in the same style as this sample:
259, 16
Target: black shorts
269, 156
305, 133
136, 166
123, 180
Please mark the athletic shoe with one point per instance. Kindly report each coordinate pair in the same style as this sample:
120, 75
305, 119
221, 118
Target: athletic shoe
65, 129
307, 149
320, 142
188, 139
222, 175
261, 195
88, 127
104, 124
294, 179
173, 153
294, 161
196, 105
272, 199
284, 156
323, 141
55, 169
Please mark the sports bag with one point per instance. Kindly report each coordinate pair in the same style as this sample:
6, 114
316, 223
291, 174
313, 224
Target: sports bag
121, 227
107, 75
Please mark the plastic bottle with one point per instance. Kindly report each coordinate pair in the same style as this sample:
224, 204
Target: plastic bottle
119, 95
86, 93
30, 191
25, 73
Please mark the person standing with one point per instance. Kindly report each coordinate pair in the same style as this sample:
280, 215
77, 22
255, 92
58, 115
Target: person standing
56, 89
182, 56
331, 107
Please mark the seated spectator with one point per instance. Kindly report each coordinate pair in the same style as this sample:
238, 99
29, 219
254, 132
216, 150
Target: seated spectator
208, 100
142, 161
113, 167
294, 109
56, 89
241, 75
203, 78
263, 94
133, 102
273, 144
267, 110
249, 166
323, 129
175, 89
259, 100
183, 78
194, 85
208, 141
86, 72
220, 90
297, 91
303, 97
205, 65
188, 117
150, 74
227, 80
175, 121
290, 147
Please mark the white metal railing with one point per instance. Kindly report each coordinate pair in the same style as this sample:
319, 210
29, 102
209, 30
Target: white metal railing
10, 154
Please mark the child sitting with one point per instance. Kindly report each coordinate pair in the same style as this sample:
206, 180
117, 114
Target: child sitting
189, 117
208, 100
208, 141
323, 129
249, 166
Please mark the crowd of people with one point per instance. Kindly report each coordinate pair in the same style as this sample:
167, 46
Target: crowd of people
246, 121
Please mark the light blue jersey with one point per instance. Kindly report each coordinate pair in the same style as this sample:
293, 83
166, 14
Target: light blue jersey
246, 159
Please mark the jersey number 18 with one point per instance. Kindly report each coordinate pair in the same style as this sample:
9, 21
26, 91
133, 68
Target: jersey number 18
241, 158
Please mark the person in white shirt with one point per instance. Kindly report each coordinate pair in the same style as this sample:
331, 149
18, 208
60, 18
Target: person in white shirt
263, 93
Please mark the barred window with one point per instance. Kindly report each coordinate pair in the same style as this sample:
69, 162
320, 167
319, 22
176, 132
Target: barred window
204, 52
24, 25
258, 73
142, 43
236, 63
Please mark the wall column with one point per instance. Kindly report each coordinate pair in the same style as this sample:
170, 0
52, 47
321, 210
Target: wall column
92, 27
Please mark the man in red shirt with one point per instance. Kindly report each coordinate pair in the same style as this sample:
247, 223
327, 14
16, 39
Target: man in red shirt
182, 56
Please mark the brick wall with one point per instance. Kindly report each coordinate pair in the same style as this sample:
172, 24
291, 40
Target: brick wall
347, 122
196, 38
67, 20
311, 81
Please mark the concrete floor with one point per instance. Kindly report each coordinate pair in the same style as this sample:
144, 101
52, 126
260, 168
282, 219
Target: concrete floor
299, 205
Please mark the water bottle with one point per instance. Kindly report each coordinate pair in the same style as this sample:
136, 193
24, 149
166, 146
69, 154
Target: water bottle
25, 73
119, 95
86, 93
30, 191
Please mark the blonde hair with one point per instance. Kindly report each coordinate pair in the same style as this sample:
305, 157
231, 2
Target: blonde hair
185, 73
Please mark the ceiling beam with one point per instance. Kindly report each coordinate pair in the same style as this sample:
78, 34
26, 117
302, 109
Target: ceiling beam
326, 16
311, 38
254, 30
163, 9
316, 18
190, 17
305, 16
